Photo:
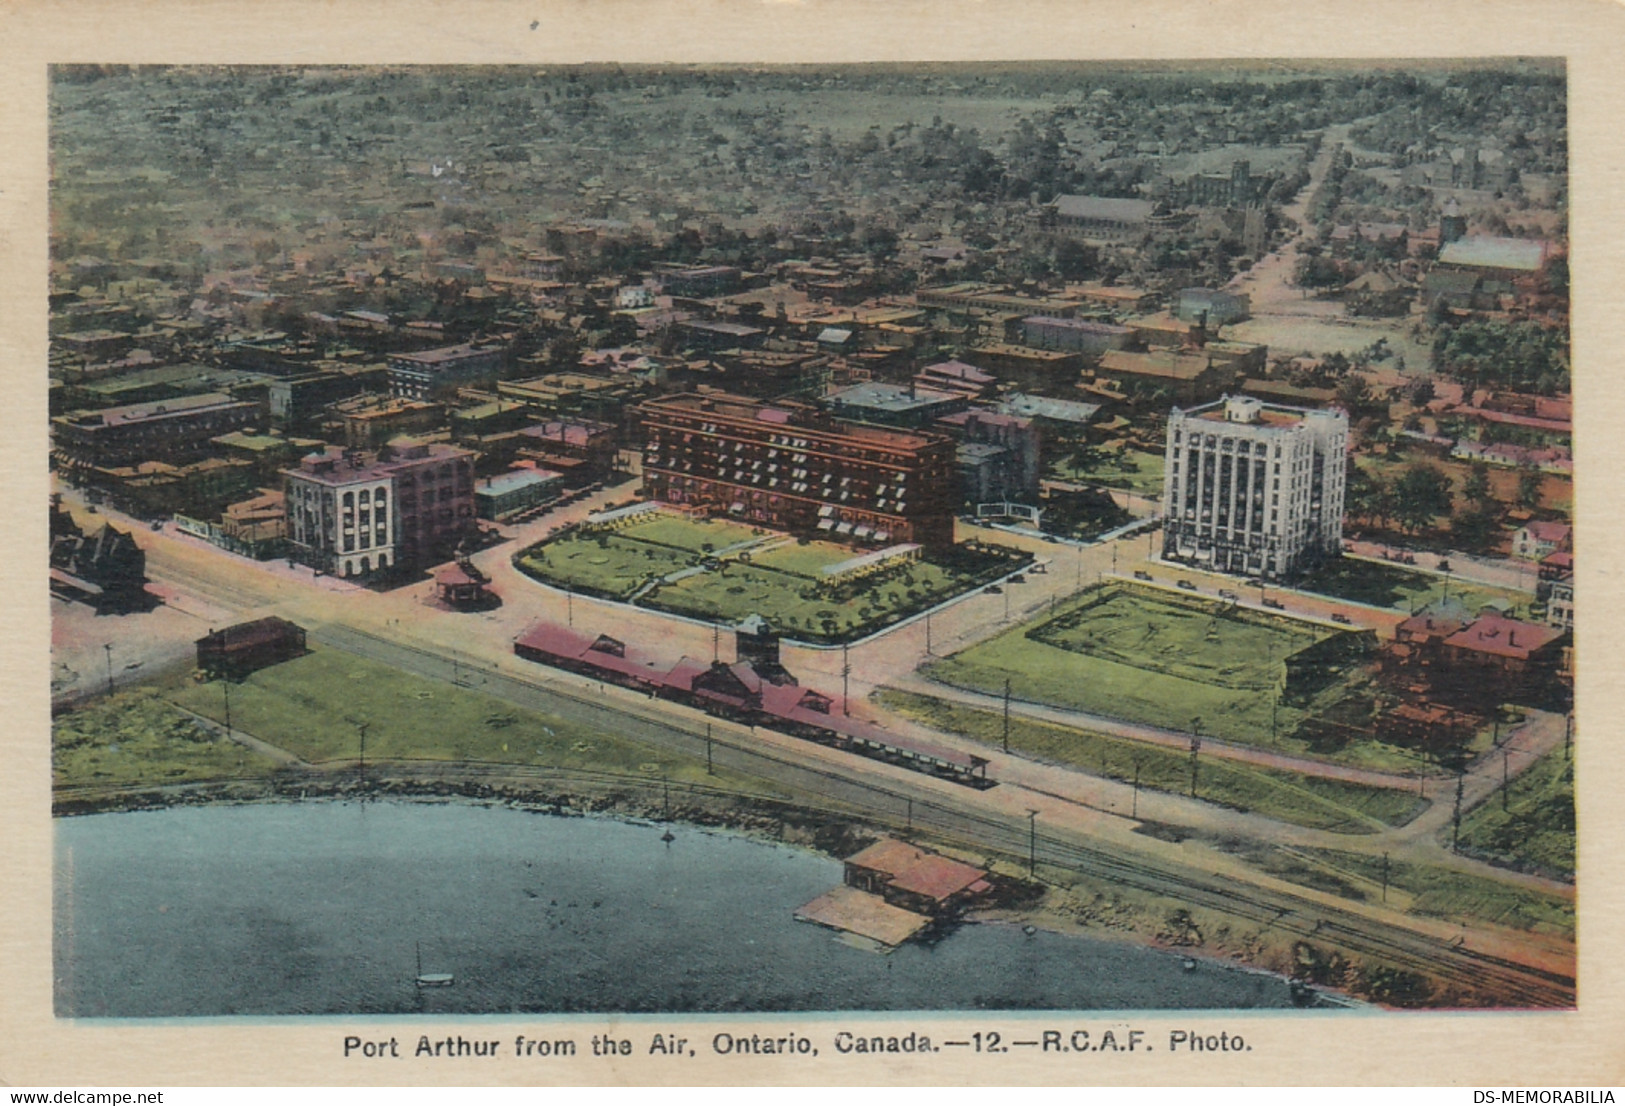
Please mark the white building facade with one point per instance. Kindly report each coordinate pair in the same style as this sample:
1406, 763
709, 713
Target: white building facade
1252, 488
341, 515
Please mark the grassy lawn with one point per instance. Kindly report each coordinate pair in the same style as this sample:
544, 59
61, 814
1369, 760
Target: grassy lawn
314, 705
1536, 830
809, 559
1286, 796
1195, 642
136, 737
1139, 472
1225, 693
695, 535
606, 564
784, 584
1444, 893
793, 604
1386, 585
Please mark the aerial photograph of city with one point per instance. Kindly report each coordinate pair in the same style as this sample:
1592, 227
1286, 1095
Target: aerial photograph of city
720, 539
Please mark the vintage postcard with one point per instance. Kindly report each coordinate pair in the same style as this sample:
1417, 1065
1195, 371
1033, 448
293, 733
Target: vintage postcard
631, 544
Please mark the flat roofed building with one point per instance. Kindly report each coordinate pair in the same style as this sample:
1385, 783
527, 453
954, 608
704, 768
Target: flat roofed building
1186, 377
1254, 488
790, 467
512, 493
433, 373
1077, 335
893, 404
361, 514
171, 428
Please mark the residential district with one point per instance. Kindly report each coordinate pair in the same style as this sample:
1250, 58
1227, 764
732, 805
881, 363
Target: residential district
1131, 498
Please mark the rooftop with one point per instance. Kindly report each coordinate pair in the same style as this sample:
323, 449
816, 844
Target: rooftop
1103, 207
875, 396
1485, 252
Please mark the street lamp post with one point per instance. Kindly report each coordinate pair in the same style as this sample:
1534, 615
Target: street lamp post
107, 647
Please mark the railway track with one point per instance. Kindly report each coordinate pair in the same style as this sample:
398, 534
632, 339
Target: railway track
927, 807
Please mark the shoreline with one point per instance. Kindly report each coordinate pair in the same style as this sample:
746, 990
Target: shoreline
1060, 910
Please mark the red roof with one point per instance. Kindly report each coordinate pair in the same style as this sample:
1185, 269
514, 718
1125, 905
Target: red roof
1428, 625
1555, 532
917, 871
1504, 637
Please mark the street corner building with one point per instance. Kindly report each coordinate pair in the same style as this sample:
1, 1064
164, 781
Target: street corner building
357, 514
1254, 488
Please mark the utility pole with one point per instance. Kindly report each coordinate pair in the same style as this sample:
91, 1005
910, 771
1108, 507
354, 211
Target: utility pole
1455, 837
716, 643
928, 634
1007, 714
225, 686
1134, 809
107, 647
1568, 735
1506, 776
361, 761
708, 770
846, 674
1006, 590
1032, 844
910, 812
1384, 877
1196, 749
569, 606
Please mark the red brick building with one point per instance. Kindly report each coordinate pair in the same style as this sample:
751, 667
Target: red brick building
790, 467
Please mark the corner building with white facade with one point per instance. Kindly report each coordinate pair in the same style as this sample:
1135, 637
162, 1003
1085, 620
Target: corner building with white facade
1253, 488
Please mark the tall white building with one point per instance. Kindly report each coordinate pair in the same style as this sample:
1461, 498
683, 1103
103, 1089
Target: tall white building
1254, 488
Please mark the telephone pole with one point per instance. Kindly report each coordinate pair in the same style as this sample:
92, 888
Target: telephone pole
1384, 877
108, 649
1134, 810
1196, 749
708, 769
1007, 714
1032, 844
1455, 836
1506, 776
846, 675
225, 686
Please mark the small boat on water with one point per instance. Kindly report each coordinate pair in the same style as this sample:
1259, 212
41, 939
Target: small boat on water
431, 979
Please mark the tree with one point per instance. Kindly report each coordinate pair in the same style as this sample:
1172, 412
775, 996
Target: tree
1530, 480
1474, 530
1420, 496
1477, 486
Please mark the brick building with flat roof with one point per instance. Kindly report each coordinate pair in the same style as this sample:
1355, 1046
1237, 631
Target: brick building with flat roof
788, 466
398, 510
434, 373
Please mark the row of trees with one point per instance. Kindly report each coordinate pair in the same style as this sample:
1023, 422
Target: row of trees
1423, 493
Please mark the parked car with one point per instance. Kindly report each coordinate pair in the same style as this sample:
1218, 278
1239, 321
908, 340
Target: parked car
1343, 618
1186, 584
1275, 603
1140, 574
1224, 594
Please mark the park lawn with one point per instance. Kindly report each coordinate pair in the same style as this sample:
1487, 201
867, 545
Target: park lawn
1141, 474
737, 591
701, 536
1285, 796
1446, 893
314, 705
1536, 830
1249, 714
1378, 584
1041, 673
135, 737
1194, 641
600, 564
809, 559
